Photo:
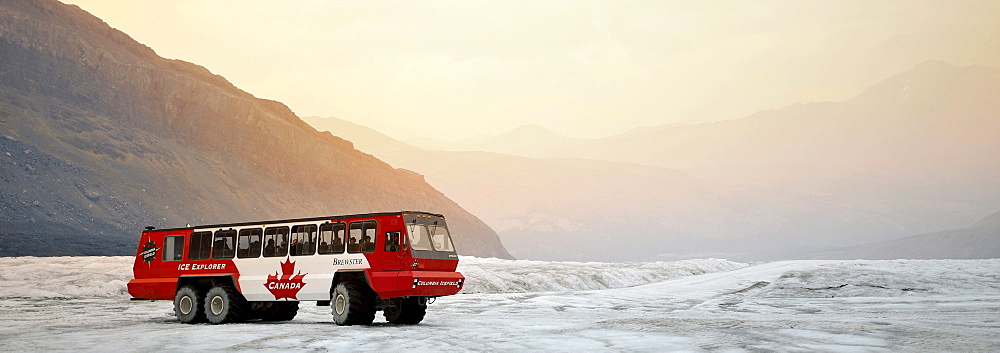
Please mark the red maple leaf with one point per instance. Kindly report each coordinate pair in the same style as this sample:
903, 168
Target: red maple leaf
285, 286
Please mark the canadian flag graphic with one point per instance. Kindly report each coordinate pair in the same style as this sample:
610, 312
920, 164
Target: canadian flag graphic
285, 286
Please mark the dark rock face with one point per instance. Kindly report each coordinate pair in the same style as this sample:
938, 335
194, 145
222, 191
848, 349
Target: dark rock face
99, 137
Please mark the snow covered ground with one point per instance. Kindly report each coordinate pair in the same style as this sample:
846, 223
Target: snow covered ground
79, 303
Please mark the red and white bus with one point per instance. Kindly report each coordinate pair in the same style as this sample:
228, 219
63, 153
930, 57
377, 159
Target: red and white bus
357, 264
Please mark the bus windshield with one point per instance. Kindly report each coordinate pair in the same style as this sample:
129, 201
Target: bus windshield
432, 238
441, 239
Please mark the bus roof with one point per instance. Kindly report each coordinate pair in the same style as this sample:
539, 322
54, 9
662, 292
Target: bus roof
292, 220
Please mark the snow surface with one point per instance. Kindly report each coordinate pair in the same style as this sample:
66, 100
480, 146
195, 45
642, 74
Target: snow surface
521, 276
80, 303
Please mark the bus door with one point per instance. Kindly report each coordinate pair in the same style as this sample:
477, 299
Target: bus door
392, 247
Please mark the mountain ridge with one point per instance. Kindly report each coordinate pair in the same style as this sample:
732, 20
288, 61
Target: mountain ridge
784, 183
873, 96
103, 137
981, 240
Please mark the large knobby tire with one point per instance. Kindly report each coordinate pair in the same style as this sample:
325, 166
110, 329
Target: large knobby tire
223, 304
189, 305
406, 311
353, 303
280, 311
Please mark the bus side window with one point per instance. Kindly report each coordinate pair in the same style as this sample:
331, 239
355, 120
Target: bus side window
275, 241
368, 241
224, 245
354, 239
173, 248
249, 243
294, 247
392, 241
331, 238
303, 240
200, 246
362, 237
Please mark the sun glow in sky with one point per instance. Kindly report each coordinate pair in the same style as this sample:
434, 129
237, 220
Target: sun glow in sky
453, 69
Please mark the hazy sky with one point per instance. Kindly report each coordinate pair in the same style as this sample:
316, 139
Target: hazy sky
454, 69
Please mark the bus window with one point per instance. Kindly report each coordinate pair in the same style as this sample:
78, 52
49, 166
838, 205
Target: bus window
275, 241
249, 243
441, 239
419, 237
362, 237
354, 242
200, 246
368, 241
303, 240
331, 238
392, 241
223, 247
173, 248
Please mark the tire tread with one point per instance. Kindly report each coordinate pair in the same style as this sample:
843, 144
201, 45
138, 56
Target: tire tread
360, 303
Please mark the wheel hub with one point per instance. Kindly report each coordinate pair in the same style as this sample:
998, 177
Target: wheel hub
185, 305
340, 305
217, 305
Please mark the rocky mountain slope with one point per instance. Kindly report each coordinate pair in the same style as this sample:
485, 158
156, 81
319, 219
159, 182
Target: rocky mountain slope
99, 137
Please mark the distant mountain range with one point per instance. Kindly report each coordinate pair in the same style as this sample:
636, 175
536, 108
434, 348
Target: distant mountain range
929, 122
978, 241
543, 208
99, 137
916, 153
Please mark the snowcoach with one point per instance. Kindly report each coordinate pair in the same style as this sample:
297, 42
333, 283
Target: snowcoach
356, 264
